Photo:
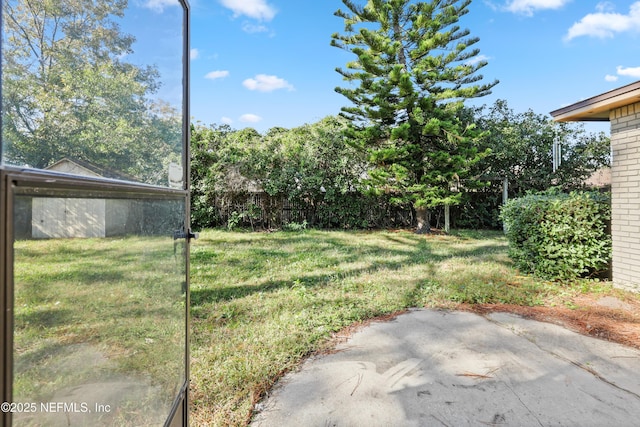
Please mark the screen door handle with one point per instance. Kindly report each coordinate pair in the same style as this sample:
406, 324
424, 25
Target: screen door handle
181, 234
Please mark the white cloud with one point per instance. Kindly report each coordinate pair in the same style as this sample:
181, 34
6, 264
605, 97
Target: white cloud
257, 9
628, 71
527, 7
605, 6
218, 74
194, 54
226, 120
250, 118
633, 72
252, 28
265, 83
606, 23
159, 5
477, 59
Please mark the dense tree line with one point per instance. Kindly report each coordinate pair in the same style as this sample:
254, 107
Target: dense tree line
316, 169
243, 176
521, 146
406, 143
404, 147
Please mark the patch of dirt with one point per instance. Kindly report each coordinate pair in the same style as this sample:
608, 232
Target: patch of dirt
606, 317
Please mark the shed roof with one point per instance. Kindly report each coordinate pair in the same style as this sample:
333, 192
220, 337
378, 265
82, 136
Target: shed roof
598, 107
83, 167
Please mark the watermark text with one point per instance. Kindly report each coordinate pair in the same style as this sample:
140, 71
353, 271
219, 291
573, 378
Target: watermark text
54, 407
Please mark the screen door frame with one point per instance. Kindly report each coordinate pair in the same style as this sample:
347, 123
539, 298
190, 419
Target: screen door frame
15, 180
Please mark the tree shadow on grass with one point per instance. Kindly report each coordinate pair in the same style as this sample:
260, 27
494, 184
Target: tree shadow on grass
333, 254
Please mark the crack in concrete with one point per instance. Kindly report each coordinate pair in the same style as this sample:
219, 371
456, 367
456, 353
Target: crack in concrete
563, 358
522, 403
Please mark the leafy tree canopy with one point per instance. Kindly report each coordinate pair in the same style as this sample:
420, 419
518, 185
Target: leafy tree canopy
521, 147
68, 91
307, 165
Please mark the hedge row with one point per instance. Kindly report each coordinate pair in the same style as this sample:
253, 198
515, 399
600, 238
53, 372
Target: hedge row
559, 236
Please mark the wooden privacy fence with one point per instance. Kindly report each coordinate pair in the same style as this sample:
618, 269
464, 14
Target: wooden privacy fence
261, 211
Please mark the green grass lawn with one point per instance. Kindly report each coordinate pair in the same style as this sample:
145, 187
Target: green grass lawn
95, 314
261, 302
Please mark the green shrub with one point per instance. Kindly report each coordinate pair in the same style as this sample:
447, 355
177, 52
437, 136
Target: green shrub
295, 226
233, 220
559, 236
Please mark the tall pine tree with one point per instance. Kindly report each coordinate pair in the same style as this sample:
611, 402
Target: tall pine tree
415, 68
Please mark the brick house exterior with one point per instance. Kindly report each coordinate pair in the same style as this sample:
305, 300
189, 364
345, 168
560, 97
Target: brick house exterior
621, 107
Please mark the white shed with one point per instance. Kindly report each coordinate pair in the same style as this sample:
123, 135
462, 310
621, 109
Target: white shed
68, 217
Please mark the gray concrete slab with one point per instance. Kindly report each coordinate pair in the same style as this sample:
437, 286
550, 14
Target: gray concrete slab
447, 368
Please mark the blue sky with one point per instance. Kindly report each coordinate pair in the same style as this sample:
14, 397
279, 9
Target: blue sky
266, 63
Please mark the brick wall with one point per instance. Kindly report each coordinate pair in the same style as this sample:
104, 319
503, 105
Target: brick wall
625, 191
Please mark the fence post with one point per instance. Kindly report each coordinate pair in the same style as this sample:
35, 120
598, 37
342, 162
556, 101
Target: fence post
505, 197
446, 218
